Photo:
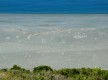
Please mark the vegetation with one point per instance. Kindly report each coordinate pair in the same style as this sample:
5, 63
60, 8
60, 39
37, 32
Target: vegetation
47, 73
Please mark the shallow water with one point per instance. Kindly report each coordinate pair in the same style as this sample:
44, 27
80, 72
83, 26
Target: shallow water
59, 41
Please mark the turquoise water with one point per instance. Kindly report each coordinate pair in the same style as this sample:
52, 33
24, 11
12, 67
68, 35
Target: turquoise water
56, 40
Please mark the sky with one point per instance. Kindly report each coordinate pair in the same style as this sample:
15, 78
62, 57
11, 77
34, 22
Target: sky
54, 6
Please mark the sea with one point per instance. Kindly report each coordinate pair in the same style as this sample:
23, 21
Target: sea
56, 40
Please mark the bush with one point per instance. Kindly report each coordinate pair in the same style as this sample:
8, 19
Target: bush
68, 72
4, 70
42, 68
15, 67
47, 73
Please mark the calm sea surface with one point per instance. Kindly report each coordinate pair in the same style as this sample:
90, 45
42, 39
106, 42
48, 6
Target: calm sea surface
59, 41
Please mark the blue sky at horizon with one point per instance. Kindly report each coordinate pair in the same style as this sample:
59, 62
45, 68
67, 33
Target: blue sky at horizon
54, 6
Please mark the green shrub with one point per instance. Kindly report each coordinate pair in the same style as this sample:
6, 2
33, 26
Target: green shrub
42, 68
68, 72
15, 67
4, 70
47, 73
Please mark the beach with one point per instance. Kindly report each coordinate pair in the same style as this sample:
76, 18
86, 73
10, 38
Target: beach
57, 40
